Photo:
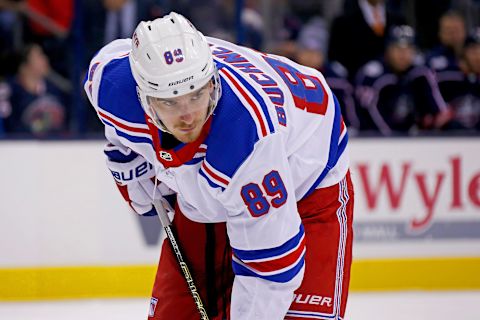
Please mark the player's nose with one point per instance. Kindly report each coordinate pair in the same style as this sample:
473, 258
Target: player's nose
187, 117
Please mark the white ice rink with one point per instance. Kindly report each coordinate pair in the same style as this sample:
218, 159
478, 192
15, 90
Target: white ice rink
371, 306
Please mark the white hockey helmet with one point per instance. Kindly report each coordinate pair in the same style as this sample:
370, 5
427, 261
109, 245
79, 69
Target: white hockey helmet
171, 58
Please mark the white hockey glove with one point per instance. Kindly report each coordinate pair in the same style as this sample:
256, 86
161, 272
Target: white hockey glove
135, 178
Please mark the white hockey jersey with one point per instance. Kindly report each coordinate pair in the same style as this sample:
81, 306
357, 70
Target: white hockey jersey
276, 135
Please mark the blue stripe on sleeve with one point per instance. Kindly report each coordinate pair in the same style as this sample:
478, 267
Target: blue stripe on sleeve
120, 157
266, 253
283, 277
127, 136
210, 182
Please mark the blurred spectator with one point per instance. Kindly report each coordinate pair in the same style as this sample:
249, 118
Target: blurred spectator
426, 14
37, 107
303, 11
211, 17
120, 20
470, 9
8, 21
253, 25
306, 9
359, 36
311, 52
106, 20
395, 94
49, 23
122, 16
464, 94
445, 58
297, 14
5, 107
58, 12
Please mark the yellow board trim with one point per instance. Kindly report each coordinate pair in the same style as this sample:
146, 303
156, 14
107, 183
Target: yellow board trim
136, 281
411, 274
76, 282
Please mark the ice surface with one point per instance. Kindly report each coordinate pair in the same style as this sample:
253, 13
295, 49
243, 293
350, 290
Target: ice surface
361, 306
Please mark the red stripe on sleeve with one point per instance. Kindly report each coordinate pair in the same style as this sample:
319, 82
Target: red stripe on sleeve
280, 263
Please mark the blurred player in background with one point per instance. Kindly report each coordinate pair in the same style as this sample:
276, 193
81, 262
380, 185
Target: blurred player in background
396, 94
445, 58
464, 91
254, 147
311, 52
358, 35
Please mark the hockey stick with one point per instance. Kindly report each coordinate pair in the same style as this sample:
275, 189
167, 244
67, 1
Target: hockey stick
165, 221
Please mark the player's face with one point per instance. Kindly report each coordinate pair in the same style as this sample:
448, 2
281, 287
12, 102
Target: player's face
400, 57
184, 116
472, 57
38, 62
452, 31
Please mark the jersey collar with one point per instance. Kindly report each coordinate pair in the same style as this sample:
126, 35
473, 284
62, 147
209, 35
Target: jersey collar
182, 153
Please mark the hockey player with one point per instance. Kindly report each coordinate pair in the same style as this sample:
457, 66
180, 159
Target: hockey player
396, 94
464, 89
445, 59
254, 147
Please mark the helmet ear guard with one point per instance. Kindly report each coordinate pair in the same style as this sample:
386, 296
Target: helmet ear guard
170, 58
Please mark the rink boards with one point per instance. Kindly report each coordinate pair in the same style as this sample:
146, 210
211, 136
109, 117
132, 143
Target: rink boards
65, 231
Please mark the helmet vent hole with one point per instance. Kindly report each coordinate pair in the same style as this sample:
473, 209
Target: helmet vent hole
173, 21
193, 44
150, 28
175, 92
153, 84
192, 87
204, 67
149, 56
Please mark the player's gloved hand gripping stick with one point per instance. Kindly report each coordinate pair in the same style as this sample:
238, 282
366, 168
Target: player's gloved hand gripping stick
165, 221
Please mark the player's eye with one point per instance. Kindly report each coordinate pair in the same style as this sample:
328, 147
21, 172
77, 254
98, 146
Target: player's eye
168, 103
198, 95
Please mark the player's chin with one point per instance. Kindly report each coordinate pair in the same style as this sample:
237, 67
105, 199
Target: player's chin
187, 137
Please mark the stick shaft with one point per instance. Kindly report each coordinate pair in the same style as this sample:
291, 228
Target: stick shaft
165, 221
